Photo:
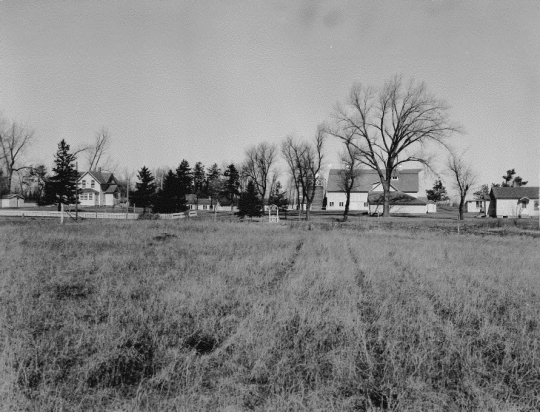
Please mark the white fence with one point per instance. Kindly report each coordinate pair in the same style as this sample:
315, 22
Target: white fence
83, 215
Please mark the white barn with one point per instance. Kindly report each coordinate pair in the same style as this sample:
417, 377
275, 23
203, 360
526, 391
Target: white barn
405, 181
12, 200
514, 202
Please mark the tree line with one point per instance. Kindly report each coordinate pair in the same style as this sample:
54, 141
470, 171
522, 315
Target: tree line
380, 128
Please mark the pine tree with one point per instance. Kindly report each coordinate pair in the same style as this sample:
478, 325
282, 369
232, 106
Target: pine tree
185, 178
249, 204
277, 197
213, 183
438, 193
199, 181
232, 183
62, 186
170, 199
145, 189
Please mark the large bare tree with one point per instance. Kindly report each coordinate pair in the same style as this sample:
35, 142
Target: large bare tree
392, 126
305, 161
350, 158
258, 165
463, 177
97, 153
14, 140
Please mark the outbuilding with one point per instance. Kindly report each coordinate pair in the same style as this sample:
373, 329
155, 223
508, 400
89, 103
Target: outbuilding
514, 202
12, 200
399, 203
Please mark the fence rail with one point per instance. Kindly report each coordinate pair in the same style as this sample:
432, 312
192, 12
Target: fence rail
82, 215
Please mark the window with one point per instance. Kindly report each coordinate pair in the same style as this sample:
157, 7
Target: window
341, 204
536, 205
84, 184
92, 182
331, 203
90, 196
478, 204
394, 177
366, 204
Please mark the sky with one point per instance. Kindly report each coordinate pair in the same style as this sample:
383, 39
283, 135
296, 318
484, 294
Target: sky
204, 80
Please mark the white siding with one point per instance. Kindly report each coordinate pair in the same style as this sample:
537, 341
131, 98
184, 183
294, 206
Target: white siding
357, 201
410, 209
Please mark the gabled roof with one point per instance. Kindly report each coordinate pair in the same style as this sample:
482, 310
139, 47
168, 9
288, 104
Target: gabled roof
13, 196
407, 180
111, 189
191, 199
396, 198
100, 177
515, 192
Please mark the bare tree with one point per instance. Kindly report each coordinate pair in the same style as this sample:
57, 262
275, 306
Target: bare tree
350, 158
392, 126
97, 153
305, 161
258, 165
14, 140
463, 175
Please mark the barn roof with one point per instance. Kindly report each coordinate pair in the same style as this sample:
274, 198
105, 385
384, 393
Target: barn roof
13, 196
396, 198
407, 180
530, 192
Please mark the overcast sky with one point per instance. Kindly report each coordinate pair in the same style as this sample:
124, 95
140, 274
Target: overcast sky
203, 80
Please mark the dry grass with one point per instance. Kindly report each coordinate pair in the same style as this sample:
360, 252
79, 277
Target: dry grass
197, 316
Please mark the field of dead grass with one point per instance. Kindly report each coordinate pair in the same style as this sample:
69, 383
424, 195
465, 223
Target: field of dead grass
210, 316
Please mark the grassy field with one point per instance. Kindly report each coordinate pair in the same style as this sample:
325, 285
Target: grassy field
217, 316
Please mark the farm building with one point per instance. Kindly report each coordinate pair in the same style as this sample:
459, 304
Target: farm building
195, 203
480, 205
12, 200
98, 189
405, 181
399, 203
514, 202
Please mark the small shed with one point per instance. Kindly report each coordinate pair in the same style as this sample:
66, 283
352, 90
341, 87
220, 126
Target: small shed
12, 200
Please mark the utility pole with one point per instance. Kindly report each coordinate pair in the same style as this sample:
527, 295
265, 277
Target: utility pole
77, 192
127, 199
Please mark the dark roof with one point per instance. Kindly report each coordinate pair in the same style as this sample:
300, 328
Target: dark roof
111, 189
407, 180
101, 177
191, 199
88, 190
515, 192
13, 196
396, 198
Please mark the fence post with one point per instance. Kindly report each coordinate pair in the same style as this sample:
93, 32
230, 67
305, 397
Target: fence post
61, 213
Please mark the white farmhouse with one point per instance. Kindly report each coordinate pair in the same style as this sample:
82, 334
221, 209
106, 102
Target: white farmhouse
98, 189
514, 202
404, 185
479, 205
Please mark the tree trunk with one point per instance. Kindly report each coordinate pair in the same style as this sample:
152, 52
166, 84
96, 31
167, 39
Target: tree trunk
461, 203
386, 199
347, 202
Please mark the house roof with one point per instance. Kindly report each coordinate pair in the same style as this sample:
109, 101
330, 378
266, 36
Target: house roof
515, 192
13, 196
111, 189
396, 198
407, 180
191, 199
101, 177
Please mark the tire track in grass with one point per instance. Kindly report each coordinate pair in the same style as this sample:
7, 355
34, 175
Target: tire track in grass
285, 269
370, 361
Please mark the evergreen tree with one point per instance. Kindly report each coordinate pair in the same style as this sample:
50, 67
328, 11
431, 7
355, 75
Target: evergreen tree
185, 178
232, 183
199, 181
277, 197
213, 183
170, 199
145, 189
438, 193
62, 186
249, 204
